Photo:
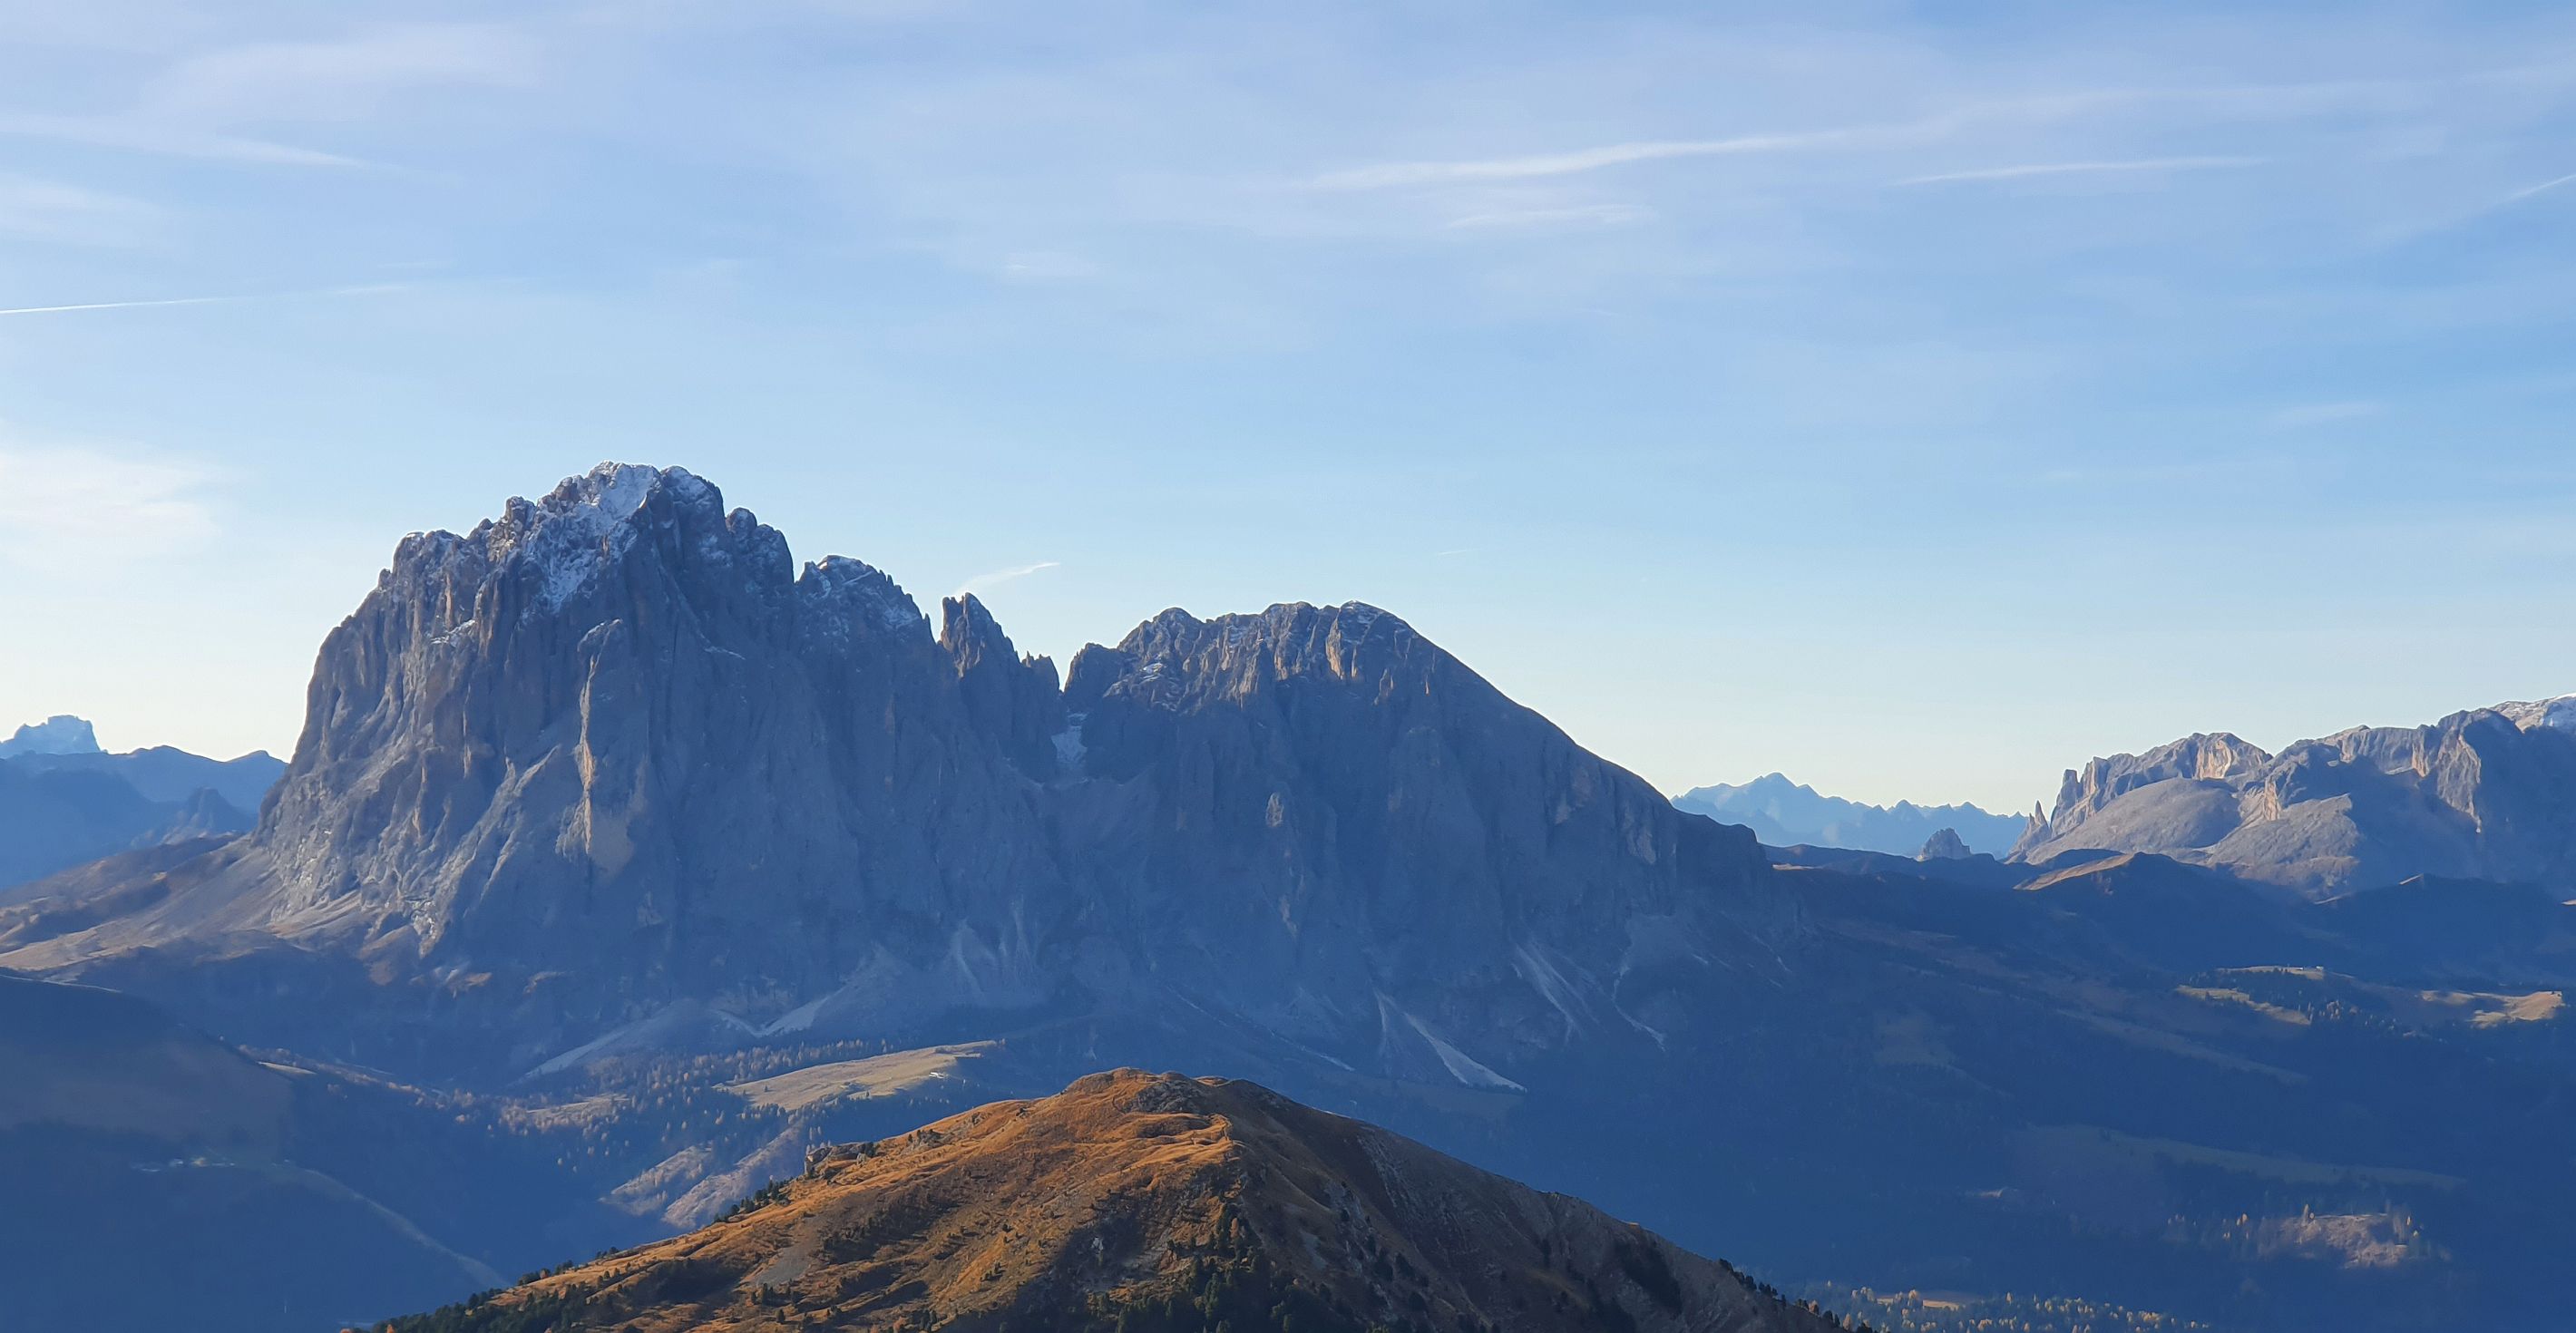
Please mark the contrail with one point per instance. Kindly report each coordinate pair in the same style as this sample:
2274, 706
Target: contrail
120, 305
378, 289
986, 582
2084, 168
2542, 188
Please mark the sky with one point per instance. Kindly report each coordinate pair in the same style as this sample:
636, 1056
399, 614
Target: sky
1918, 400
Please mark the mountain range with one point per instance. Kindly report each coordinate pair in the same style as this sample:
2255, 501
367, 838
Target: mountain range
64, 801
2485, 794
614, 835
1783, 813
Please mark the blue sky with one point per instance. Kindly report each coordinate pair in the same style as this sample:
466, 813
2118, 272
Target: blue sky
1916, 399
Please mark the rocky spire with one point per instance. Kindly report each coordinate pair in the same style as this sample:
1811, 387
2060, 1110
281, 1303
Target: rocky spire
1014, 699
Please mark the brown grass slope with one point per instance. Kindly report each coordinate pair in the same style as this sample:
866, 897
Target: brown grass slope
1141, 1202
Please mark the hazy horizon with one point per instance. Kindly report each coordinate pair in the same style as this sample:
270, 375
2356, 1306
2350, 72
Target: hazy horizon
1914, 406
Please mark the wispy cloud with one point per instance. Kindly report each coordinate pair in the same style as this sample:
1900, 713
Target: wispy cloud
2270, 100
1396, 175
201, 106
52, 211
130, 134
67, 511
988, 581
2253, 101
372, 289
2111, 473
1046, 266
338, 78
2306, 415
2027, 170
1596, 215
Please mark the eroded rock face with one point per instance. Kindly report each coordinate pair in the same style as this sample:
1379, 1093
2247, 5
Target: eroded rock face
1348, 813
1013, 699
609, 754
2474, 796
615, 732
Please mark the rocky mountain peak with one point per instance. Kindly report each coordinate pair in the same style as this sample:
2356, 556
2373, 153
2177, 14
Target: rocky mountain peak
1176, 658
842, 596
1944, 845
2559, 712
59, 734
590, 520
2203, 757
598, 544
1012, 698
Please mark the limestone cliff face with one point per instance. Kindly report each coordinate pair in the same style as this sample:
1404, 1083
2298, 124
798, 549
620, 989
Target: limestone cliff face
1349, 814
2217, 758
615, 731
1013, 699
2474, 795
610, 753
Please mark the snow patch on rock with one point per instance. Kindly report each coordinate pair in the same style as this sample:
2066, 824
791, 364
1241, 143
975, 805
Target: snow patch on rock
2531, 714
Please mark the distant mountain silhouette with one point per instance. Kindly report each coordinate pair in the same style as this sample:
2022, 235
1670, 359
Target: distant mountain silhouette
2485, 794
1783, 813
59, 734
64, 802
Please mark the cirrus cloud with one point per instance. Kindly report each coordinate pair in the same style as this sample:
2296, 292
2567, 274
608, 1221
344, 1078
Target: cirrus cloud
72, 510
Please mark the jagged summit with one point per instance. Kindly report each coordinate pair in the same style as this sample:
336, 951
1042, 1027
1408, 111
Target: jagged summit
59, 734
1134, 1200
541, 556
844, 593
2485, 793
2559, 712
1176, 656
1012, 698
